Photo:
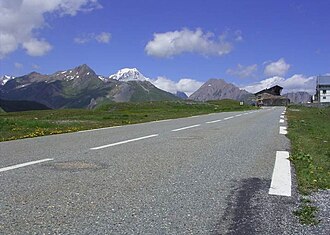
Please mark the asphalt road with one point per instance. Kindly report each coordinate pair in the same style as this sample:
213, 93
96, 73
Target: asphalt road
208, 174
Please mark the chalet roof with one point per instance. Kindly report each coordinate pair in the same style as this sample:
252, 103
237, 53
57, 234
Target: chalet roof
269, 89
323, 80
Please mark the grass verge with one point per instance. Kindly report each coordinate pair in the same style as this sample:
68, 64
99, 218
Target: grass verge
47, 122
309, 129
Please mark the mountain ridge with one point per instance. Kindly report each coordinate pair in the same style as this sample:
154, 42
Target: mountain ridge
80, 87
217, 89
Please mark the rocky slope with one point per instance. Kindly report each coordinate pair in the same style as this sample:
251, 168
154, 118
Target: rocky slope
217, 89
298, 97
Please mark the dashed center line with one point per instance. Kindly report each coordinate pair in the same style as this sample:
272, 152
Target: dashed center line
214, 121
25, 164
123, 142
184, 128
227, 118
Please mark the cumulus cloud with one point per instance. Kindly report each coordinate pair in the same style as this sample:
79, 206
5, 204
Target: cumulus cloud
103, 37
277, 68
174, 43
21, 19
36, 47
185, 85
297, 82
243, 71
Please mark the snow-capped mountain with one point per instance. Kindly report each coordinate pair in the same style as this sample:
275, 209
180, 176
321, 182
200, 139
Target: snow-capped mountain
128, 74
81, 87
4, 79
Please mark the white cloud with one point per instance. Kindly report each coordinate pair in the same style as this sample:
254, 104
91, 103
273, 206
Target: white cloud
35, 66
278, 68
238, 36
297, 82
21, 19
18, 65
243, 71
36, 47
103, 37
185, 85
177, 42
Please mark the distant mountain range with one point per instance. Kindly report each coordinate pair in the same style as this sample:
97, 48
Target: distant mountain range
81, 87
298, 97
217, 89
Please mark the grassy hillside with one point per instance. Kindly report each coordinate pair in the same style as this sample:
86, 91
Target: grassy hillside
47, 122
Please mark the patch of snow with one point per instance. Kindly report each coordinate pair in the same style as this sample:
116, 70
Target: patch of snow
63, 72
77, 76
88, 73
103, 79
21, 86
4, 79
129, 74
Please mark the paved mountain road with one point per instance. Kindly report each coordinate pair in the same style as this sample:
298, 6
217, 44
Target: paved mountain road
208, 174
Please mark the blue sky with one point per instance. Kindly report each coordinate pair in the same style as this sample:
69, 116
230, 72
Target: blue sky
179, 44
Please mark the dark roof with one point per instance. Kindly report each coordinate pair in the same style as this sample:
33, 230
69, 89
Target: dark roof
323, 80
269, 89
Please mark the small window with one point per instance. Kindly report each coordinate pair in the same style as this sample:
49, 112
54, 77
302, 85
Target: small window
324, 91
324, 97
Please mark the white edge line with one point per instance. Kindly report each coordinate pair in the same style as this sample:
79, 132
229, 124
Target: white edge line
184, 128
24, 164
214, 121
281, 178
98, 129
123, 142
283, 130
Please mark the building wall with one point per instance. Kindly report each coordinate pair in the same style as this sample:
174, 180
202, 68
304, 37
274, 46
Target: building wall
324, 95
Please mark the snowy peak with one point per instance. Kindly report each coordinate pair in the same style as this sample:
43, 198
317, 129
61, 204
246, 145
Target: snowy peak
128, 74
4, 79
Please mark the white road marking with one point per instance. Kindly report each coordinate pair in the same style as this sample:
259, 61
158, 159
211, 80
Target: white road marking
24, 164
214, 121
283, 130
165, 120
281, 121
238, 115
281, 179
123, 142
228, 118
98, 129
282, 116
187, 127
